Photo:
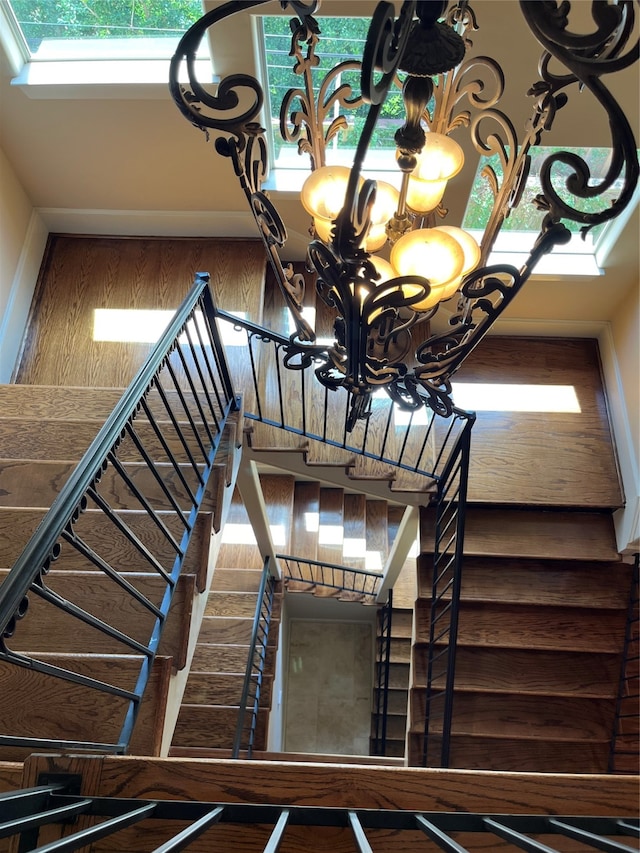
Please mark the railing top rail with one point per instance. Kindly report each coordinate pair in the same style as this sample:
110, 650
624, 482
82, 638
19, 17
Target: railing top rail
315, 350
40, 547
593, 831
329, 565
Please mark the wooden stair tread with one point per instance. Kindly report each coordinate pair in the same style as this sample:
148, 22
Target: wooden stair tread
17, 524
44, 438
509, 755
531, 671
236, 580
231, 603
59, 401
573, 586
212, 725
37, 483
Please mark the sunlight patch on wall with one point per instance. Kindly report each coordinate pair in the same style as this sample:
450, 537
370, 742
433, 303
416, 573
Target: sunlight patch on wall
354, 547
278, 535
145, 326
498, 397
312, 521
238, 534
128, 325
330, 534
373, 561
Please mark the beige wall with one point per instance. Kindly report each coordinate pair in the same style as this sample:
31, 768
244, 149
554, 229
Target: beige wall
625, 327
22, 241
625, 332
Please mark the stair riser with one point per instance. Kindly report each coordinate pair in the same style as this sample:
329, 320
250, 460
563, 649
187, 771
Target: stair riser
31, 484
70, 711
49, 629
570, 629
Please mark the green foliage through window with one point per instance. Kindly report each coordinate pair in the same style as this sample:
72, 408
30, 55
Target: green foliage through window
103, 19
341, 39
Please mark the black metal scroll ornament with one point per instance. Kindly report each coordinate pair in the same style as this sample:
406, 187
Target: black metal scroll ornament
588, 58
231, 113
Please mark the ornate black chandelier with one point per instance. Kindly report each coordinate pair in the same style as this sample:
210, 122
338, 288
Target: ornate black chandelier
378, 304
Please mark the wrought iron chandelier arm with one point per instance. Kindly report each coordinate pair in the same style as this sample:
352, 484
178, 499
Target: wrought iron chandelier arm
197, 103
312, 113
514, 160
588, 58
487, 293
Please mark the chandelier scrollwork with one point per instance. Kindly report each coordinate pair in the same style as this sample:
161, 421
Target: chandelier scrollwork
421, 51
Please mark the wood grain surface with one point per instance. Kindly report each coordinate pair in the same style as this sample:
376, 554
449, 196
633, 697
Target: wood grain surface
85, 273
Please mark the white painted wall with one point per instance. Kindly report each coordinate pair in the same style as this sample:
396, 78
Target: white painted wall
622, 375
23, 238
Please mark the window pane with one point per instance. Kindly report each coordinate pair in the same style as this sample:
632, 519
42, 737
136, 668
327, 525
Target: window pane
61, 29
341, 39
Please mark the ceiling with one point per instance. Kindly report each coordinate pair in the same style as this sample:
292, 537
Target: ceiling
129, 163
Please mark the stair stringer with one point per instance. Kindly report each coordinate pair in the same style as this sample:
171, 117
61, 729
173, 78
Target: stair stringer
353, 470
293, 462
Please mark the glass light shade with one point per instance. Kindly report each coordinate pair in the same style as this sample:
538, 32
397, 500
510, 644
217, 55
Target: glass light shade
441, 158
469, 246
385, 269
424, 196
471, 257
323, 195
432, 253
384, 207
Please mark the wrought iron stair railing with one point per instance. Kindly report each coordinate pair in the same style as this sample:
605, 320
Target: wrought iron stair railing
381, 690
343, 579
159, 446
252, 688
442, 625
24, 813
280, 390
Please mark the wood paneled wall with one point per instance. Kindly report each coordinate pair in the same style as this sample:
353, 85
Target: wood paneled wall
543, 458
540, 458
80, 274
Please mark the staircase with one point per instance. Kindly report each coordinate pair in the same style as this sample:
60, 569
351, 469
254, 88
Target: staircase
536, 668
206, 724
541, 627
325, 524
44, 431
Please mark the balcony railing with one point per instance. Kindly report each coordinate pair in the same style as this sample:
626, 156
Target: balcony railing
24, 813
